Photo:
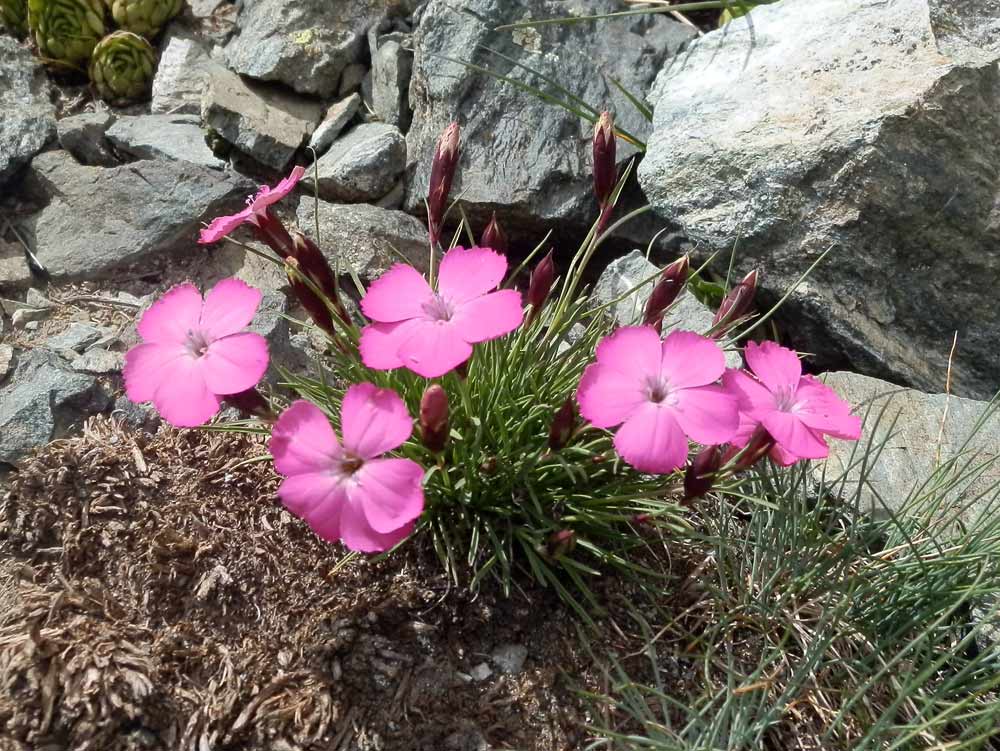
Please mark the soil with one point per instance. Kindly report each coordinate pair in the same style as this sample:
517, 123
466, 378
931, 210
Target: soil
155, 596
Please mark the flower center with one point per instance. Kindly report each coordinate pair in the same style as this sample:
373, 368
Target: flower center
658, 391
438, 309
784, 399
349, 464
197, 343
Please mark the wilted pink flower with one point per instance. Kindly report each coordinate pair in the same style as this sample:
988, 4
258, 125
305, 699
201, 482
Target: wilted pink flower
662, 392
256, 210
194, 352
347, 491
432, 332
796, 410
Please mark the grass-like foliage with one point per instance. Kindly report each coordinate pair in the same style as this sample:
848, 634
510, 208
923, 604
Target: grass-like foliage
806, 623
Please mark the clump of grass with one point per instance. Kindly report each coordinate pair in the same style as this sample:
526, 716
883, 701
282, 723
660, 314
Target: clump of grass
807, 624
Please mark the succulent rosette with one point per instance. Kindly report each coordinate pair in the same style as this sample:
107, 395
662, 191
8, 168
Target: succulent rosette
14, 16
66, 31
122, 67
145, 17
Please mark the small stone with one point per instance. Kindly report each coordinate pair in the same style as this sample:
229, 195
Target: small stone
392, 65
14, 270
99, 362
336, 118
76, 337
509, 658
181, 75
363, 165
83, 136
138, 416
6, 359
29, 117
265, 123
351, 79
177, 137
24, 316
35, 299
480, 672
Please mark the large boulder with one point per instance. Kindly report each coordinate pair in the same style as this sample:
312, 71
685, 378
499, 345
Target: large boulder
29, 117
96, 219
305, 44
518, 152
867, 128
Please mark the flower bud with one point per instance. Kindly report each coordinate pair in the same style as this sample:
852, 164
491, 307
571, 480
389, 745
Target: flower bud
313, 264
671, 283
434, 417
269, 230
605, 159
560, 543
757, 448
493, 236
540, 284
700, 475
736, 304
562, 425
252, 402
313, 303
442, 172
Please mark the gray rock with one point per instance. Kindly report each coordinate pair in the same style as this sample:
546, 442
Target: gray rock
177, 137
363, 165
76, 337
367, 238
138, 416
270, 322
6, 360
29, 117
83, 136
351, 79
394, 198
509, 658
42, 401
917, 433
858, 126
99, 362
339, 114
480, 672
97, 219
518, 152
24, 316
392, 66
35, 299
265, 123
14, 271
304, 44
182, 76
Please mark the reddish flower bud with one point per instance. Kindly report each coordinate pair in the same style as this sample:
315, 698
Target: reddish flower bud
434, 417
313, 303
700, 475
442, 172
540, 285
671, 283
562, 425
314, 266
560, 543
736, 304
605, 159
759, 445
252, 402
270, 231
493, 236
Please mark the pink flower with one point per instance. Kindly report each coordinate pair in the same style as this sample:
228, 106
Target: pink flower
254, 212
662, 393
796, 410
194, 352
345, 491
432, 332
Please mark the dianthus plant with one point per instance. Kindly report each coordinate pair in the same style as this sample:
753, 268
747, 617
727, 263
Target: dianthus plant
511, 425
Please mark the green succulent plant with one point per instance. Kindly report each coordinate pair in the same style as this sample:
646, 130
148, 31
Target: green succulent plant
122, 67
144, 17
14, 16
66, 30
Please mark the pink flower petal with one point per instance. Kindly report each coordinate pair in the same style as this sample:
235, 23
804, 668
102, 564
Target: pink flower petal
304, 494
390, 492
267, 196
793, 435
303, 441
397, 295
777, 368
235, 363
820, 408
144, 368
632, 350
170, 318
373, 420
380, 343
690, 359
183, 398
229, 307
358, 534
432, 349
652, 441
467, 274
607, 396
489, 316
752, 396
747, 425
222, 226
781, 457
708, 414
